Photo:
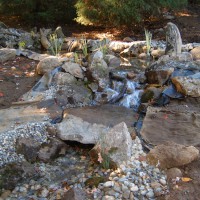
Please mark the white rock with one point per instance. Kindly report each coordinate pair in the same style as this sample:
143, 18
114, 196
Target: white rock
134, 188
108, 184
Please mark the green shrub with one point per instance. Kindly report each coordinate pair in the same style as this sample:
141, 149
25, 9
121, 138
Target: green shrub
126, 12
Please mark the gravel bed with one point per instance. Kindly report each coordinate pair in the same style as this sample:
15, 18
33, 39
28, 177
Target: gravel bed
7, 140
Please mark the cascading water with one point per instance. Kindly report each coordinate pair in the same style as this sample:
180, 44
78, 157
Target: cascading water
131, 100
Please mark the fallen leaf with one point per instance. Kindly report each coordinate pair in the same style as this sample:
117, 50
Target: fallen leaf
186, 179
1, 94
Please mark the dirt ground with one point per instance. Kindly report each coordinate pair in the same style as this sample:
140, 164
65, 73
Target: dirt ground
18, 76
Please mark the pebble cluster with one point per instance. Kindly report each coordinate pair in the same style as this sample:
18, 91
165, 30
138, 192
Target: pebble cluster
132, 180
135, 179
8, 139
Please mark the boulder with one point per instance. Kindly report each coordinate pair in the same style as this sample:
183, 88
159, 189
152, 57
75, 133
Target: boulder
74, 69
107, 114
159, 75
184, 57
118, 46
47, 65
173, 39
28, 147
99, 70
51, 150
134, 50
75, 94
116, 144
13, 173
179, 122
59, 32
171, 155
74, 128
151, 94
131, 75
62, 78
43, 38
188, 85
112, 61
196, 53
142, 56
127, 39
7, 54
173, 173
157, 53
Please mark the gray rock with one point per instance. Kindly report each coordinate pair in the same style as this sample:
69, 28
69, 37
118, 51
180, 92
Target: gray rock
163, 181
43, 38
134, 188
74, 69
62, 78
160, 75
47, 64
170, 155
75, 129
150, 194
51, 150
107, 197
157, 53
184, 129
196, 53
74, 194
28, 147
184, 57
44, 193
134, 49
74, 94
59, 32
98, 70
108, 184
189, 85
7, 54
173, 39
127, 39
173, 173
118, 46
112, 61
118, 142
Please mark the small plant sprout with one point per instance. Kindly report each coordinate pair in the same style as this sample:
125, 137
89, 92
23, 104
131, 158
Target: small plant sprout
55, 44
76, 58
22, 44
84, 46
148, 37
103, 153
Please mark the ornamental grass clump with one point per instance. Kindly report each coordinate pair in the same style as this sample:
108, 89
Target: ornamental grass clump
55, 44
84, 48
103, 154
148, 37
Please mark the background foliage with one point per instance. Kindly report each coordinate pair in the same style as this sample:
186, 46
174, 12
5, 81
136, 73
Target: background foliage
40, 11
88, 12
120, 12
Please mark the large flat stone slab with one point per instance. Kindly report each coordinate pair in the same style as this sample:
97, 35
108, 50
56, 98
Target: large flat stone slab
107, 115
175, 124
